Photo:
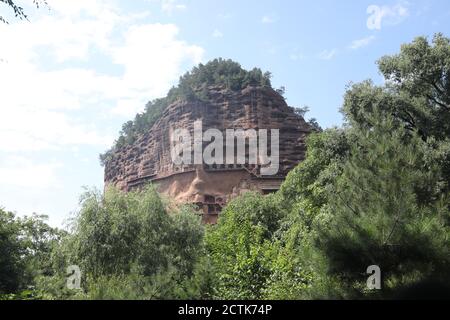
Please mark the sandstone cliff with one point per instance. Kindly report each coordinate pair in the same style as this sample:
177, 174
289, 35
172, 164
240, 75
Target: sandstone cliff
148, 159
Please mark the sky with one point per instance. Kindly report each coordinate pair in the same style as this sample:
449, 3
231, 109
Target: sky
78, 69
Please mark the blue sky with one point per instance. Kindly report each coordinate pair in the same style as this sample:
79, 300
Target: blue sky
72, 75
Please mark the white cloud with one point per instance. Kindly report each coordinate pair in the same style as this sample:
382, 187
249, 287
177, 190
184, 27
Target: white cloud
328, 54
152, 57
171, 5
386, 15
268, 19
217, 34
356, 44
66, 80
22, 172
41, 85
33, 129
127, 107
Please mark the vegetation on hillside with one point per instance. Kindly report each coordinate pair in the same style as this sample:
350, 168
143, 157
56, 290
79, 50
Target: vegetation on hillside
374, 192
26, 247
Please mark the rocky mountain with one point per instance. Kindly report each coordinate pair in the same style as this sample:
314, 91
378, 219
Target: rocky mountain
147, 158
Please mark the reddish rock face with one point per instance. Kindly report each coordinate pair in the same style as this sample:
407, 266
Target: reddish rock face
148, 159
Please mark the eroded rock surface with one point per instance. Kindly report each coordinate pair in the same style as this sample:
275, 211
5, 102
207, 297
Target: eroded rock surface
148, 159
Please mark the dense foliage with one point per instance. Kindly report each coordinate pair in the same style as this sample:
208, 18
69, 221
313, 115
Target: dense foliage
241, 245
375, 192
26, 245
130, 246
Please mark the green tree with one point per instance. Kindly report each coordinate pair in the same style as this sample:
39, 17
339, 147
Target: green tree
240, 246
386, 212
304, 190
417, 92
390, 206
377, 191
420, 75
131, 246
26, 246
11, 250
299, 270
